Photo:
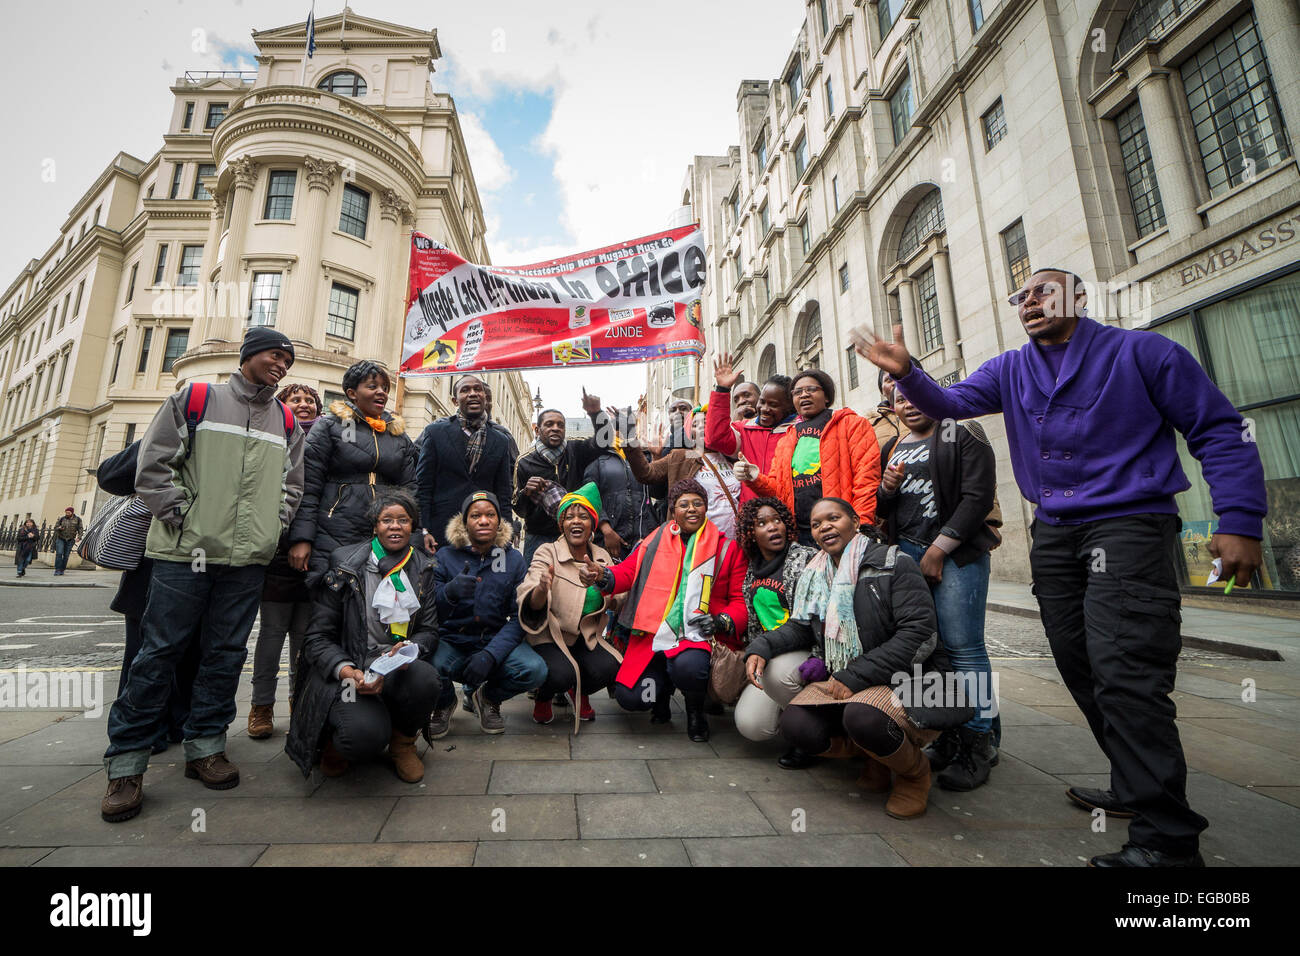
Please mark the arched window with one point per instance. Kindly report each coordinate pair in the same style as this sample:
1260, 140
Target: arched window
808, 338
344, 82
926, 218
1149, 19
767, 364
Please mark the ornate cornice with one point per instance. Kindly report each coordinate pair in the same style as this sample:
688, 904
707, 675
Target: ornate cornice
394, 208
245, 171
321, 173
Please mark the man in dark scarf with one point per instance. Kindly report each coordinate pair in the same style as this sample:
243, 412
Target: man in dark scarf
471, 413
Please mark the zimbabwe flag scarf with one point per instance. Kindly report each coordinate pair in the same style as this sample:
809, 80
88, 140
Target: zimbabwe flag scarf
674, 579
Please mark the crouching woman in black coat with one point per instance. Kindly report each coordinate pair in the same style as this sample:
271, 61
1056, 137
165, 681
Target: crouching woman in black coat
376, 598
879, 682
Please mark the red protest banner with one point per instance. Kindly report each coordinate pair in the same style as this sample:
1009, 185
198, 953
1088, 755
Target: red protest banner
631, 302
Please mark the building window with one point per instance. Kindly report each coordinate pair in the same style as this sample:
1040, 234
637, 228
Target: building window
1016, 250
1139, 171
844, 277
887, 12
177, 341
201, 191
279, 194
801, 156
146, 339
976, 15
760, 153
342, 320
356, 209
805, 236
736, 262
76, 304
216, 113
130, 434
67, 301
1148, 18
764, 220
344, 83
851, 361
1234, 108
63, 373
266, 299
178, 170
160, 268
191, 260
900, 109
735, 210
925, 219
835, 192
995, 125
931, 327
830, 97
117, 361
825, 20
794, 82
130, 284
189, 115
97, 209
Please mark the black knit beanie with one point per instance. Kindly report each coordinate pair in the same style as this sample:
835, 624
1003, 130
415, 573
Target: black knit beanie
260, 339
479, 496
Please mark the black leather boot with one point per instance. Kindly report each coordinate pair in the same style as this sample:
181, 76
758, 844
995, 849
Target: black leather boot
943, 751
975, 756
697, 725
662, 711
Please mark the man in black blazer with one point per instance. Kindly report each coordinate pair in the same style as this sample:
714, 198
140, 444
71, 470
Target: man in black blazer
461, 454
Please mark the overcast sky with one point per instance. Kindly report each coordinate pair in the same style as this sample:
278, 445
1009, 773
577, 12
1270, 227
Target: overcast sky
580, 118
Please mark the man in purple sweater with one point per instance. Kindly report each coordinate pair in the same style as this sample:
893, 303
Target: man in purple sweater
1090, 413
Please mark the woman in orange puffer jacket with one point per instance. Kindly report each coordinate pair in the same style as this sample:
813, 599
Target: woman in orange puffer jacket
826, 453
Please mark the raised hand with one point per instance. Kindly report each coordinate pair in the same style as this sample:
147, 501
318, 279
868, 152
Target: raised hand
590, 403
744, 470
590, 573
724, 374
892, 478
892, 356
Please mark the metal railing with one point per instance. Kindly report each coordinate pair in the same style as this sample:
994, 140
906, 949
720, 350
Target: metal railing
9, 537
198, 76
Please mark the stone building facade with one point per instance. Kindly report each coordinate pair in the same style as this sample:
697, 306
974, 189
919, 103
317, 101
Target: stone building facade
913, 158
284, 197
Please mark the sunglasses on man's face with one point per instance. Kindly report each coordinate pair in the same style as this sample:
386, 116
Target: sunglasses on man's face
1040, 292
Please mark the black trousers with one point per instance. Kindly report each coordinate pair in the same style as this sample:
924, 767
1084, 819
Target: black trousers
363, 727
1108, 595
811, 728
598, 668
689, 671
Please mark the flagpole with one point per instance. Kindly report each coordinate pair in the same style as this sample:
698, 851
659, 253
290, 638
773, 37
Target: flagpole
306, 47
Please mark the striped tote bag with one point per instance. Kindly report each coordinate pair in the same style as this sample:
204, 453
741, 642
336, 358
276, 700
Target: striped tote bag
115, 537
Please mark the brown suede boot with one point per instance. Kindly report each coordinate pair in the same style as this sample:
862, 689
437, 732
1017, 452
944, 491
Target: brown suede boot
406, 761
874, 777
911, 781
260, 724
841, 748
332, 763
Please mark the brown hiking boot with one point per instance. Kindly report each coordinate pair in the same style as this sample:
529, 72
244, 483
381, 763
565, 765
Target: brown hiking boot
874, 777
260, 724
911, 781
332, 763
123, 799
216, 772
406, 762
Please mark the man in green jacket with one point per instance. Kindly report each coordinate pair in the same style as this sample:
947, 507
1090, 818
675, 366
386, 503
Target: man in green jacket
221, 492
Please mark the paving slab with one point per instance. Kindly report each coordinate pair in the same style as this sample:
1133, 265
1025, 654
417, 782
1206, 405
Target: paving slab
570, 776
1026, 688
1286, 740
75, 740
1289, 795
825, 812
376, 778
802, 850
1068, 847
636, 747
669, 815
124, 856
289, 820
564, 853
20, 723
505, 746
1056, 749
21, 787
165, 781
1246, 828
1011, 807
24, 855
1016, 714
496, 817
368, 854
723, 775
1240, 761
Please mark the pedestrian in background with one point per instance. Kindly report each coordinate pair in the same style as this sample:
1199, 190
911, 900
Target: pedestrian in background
67, 531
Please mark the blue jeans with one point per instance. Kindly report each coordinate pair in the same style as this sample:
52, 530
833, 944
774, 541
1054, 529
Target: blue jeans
217, 608
521, 671
62, 548
24, 558
959, 602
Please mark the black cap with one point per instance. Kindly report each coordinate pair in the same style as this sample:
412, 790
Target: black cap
261, 339
480, 496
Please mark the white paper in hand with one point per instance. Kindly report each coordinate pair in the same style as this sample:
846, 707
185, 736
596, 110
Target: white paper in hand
1216, 572
391, 662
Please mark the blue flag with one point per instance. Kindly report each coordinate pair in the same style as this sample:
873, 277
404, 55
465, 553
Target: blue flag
311, 32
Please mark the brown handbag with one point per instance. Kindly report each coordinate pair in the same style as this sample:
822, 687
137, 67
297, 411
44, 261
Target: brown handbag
726, 672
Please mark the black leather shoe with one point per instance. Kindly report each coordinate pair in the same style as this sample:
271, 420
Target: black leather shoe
662, 712
796, 759
943, 751
1134, 855
697, 725
970, 768
1100, 800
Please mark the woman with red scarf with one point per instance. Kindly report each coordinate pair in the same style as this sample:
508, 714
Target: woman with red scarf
684, 593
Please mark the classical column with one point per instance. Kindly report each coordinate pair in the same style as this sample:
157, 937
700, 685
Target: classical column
907, 312
947, 306
203, 323
1177, 193
384, 337
299, 321
227, 321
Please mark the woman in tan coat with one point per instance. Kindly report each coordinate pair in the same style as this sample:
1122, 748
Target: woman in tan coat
562, 618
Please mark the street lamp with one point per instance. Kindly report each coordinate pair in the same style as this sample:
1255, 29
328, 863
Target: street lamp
537, 400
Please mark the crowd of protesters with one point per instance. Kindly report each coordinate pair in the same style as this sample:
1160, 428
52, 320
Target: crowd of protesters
842, 559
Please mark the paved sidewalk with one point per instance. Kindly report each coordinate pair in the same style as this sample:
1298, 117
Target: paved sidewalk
1251, 635
44, 577
624, 792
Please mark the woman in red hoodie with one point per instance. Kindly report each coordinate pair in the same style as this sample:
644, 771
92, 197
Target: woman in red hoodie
754, 439
825, 454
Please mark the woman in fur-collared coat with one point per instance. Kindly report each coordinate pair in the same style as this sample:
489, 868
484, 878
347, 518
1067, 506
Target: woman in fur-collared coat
354, 452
